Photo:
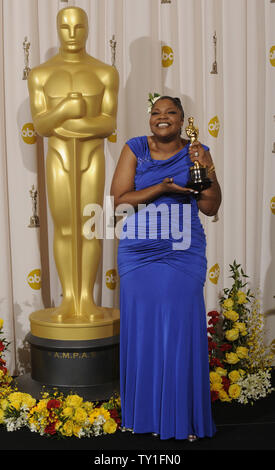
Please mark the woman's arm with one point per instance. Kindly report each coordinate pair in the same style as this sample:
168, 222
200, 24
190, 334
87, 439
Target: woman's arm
123, 187
210, 199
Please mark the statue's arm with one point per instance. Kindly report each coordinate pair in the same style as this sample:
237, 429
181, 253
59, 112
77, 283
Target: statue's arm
104, 124
46, 120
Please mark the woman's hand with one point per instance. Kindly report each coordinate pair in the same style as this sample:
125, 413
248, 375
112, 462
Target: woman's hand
197, 152
169, 186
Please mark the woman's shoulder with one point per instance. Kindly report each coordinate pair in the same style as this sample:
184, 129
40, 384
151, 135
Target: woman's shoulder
137, 140
138, 144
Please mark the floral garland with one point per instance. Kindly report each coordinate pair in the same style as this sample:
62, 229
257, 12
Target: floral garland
240, 362
54, 414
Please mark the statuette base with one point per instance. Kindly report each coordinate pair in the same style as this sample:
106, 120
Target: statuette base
50, 324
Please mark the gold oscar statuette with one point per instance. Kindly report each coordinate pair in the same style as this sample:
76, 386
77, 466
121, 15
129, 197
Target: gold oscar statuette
73, 98
26, 47
198, 174
112, 43
215, 65
34, 219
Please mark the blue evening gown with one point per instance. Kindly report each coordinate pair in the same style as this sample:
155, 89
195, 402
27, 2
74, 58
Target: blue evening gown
164, 369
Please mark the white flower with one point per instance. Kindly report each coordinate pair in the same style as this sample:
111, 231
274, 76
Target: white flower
254, 386
152, 99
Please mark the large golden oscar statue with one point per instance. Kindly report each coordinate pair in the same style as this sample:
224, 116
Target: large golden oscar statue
73, 99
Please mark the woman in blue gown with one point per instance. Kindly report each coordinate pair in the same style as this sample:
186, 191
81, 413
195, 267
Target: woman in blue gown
164, 371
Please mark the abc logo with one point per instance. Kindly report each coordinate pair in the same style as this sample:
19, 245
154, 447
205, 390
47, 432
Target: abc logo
28, 133
214, 273
214, 126
113, 137
34, 279
111, 279
272, 205
272, 55
167, 56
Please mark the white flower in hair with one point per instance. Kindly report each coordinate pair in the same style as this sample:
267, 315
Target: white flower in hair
152, 99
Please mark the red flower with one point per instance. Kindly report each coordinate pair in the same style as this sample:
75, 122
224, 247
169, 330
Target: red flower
214, 362
50, 429
226, 383
225, 347
53, 403
213, 321
213, 313
211, 330
211, 345
2, 346
214, 395
114, 414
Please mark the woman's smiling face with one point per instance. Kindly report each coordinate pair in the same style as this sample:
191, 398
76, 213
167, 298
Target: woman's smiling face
166, 119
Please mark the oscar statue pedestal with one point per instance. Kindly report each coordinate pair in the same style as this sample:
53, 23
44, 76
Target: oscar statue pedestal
76, 357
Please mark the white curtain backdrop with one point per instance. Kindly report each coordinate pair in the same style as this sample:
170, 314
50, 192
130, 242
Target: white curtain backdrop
165, 47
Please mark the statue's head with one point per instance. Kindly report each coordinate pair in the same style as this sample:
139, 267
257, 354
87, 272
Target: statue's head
72, 27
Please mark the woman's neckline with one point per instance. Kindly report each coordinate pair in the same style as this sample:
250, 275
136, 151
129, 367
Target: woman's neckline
166, 159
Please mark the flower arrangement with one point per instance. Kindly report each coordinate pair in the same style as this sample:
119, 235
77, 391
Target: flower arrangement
152, 99
55, 414
5, 378
240, 362
66, 416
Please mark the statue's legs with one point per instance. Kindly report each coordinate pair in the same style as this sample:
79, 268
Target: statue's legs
71, 186
92, 191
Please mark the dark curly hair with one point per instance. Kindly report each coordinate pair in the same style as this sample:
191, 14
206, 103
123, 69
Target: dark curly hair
176, 101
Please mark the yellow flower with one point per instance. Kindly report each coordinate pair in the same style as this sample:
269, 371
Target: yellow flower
241, 297
15, 396
42, 405
240, 325
234, 376
223, 396
234, 390
216, 386
232, 358
110, 426
94, 414
80, 415
242, 352
58, 424
74, 400
105, 413
1, 416
1, 323
232, 334
28, 400
231, 315
241, 372
16, 404
68, 411
88, 405
221, 371
118, 401
228, 303
76, 429
4, 403
67, 429
215, 378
